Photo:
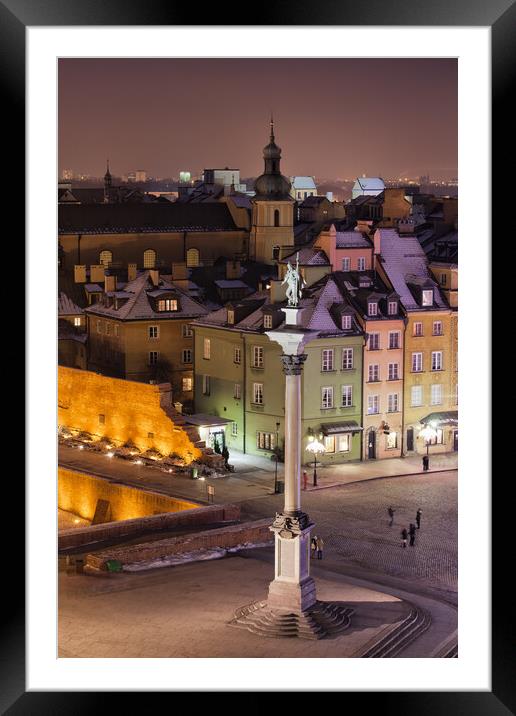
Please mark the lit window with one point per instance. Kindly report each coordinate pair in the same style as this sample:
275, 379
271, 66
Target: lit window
149, 259
231, 316
428, 297
108, 328
116, 329
192, 258
327, 397
347, 396
105, 258
418, 328
329, 443
237, 355
153, 331
153, 357
416, 395
417, 362
346, 264
392, 440
77, 321
99, 326
374, 341
361, 263
374, 373
437, 329
436, 394
373, 404
258, 393
187, 331
267, 320
392, 403
265, 441
207, 349
327, 359
393, 308
187, 385
343, 443
186, 355
347, 358
257, 357
167, 304
437, 360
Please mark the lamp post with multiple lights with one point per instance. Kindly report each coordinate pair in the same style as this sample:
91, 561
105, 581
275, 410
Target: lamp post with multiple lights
317, 448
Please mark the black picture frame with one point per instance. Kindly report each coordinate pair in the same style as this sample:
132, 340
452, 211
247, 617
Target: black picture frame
15, 16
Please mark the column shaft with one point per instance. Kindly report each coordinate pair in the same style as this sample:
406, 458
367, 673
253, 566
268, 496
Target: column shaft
292, 443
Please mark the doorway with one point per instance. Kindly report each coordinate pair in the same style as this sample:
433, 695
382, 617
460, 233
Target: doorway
371, 444
455, 440
410, 439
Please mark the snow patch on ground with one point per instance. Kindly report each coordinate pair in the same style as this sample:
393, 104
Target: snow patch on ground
197, 556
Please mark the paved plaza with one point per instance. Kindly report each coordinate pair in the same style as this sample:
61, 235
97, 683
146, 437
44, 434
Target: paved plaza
183, 611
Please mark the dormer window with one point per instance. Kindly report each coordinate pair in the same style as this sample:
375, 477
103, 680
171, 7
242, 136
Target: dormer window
428, 297
267, 320
231, 316
393, 308
346, 322
167, 304
372, 308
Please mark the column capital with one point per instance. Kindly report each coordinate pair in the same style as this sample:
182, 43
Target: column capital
293, 364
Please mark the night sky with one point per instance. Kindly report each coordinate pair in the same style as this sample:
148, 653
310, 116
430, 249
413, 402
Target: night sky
334, 118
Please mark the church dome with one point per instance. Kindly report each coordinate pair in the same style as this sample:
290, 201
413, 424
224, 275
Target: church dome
272, 184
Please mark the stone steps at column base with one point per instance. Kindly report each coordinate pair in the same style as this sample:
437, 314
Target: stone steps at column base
322, 620
392, 643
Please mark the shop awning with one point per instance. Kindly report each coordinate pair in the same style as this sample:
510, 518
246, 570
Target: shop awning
206, 421
447, 417
346, 426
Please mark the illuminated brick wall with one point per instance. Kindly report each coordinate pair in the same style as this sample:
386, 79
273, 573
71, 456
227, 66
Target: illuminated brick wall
122, 411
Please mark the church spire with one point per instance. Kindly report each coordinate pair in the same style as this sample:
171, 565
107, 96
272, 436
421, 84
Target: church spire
107, 183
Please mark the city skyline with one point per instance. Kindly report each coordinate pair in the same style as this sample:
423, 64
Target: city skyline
387, 117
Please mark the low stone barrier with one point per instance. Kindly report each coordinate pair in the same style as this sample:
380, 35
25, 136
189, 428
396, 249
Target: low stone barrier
153, 523
224, 537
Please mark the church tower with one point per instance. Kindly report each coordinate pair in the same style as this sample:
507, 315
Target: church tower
107, 185
272, 224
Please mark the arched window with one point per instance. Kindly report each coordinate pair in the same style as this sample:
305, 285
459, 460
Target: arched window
276, 217
105, 258
192, 257
149, 259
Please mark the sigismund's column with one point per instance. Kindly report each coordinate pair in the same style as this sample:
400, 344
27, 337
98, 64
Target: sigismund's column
293, 589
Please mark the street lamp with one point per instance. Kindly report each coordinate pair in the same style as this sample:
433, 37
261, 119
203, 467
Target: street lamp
315, 447
429, 433
276, 465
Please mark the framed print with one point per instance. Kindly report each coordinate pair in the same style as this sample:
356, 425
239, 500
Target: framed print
99, 91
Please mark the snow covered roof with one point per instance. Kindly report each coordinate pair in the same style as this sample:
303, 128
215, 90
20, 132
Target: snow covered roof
230, 283
66, 307
404, 262
352, 239
303, 183
369, 184
308, 257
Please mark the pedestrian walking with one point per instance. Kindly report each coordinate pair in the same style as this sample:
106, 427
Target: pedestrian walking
404, 535
313, 546
320, 547
391, 515
426, 461
305, 479
412, 533
418, 518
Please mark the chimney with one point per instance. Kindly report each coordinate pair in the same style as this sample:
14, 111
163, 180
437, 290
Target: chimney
79, 273
97, 273
179, 272
154, 276
232, 270
277, 291
109, 282
131, 272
